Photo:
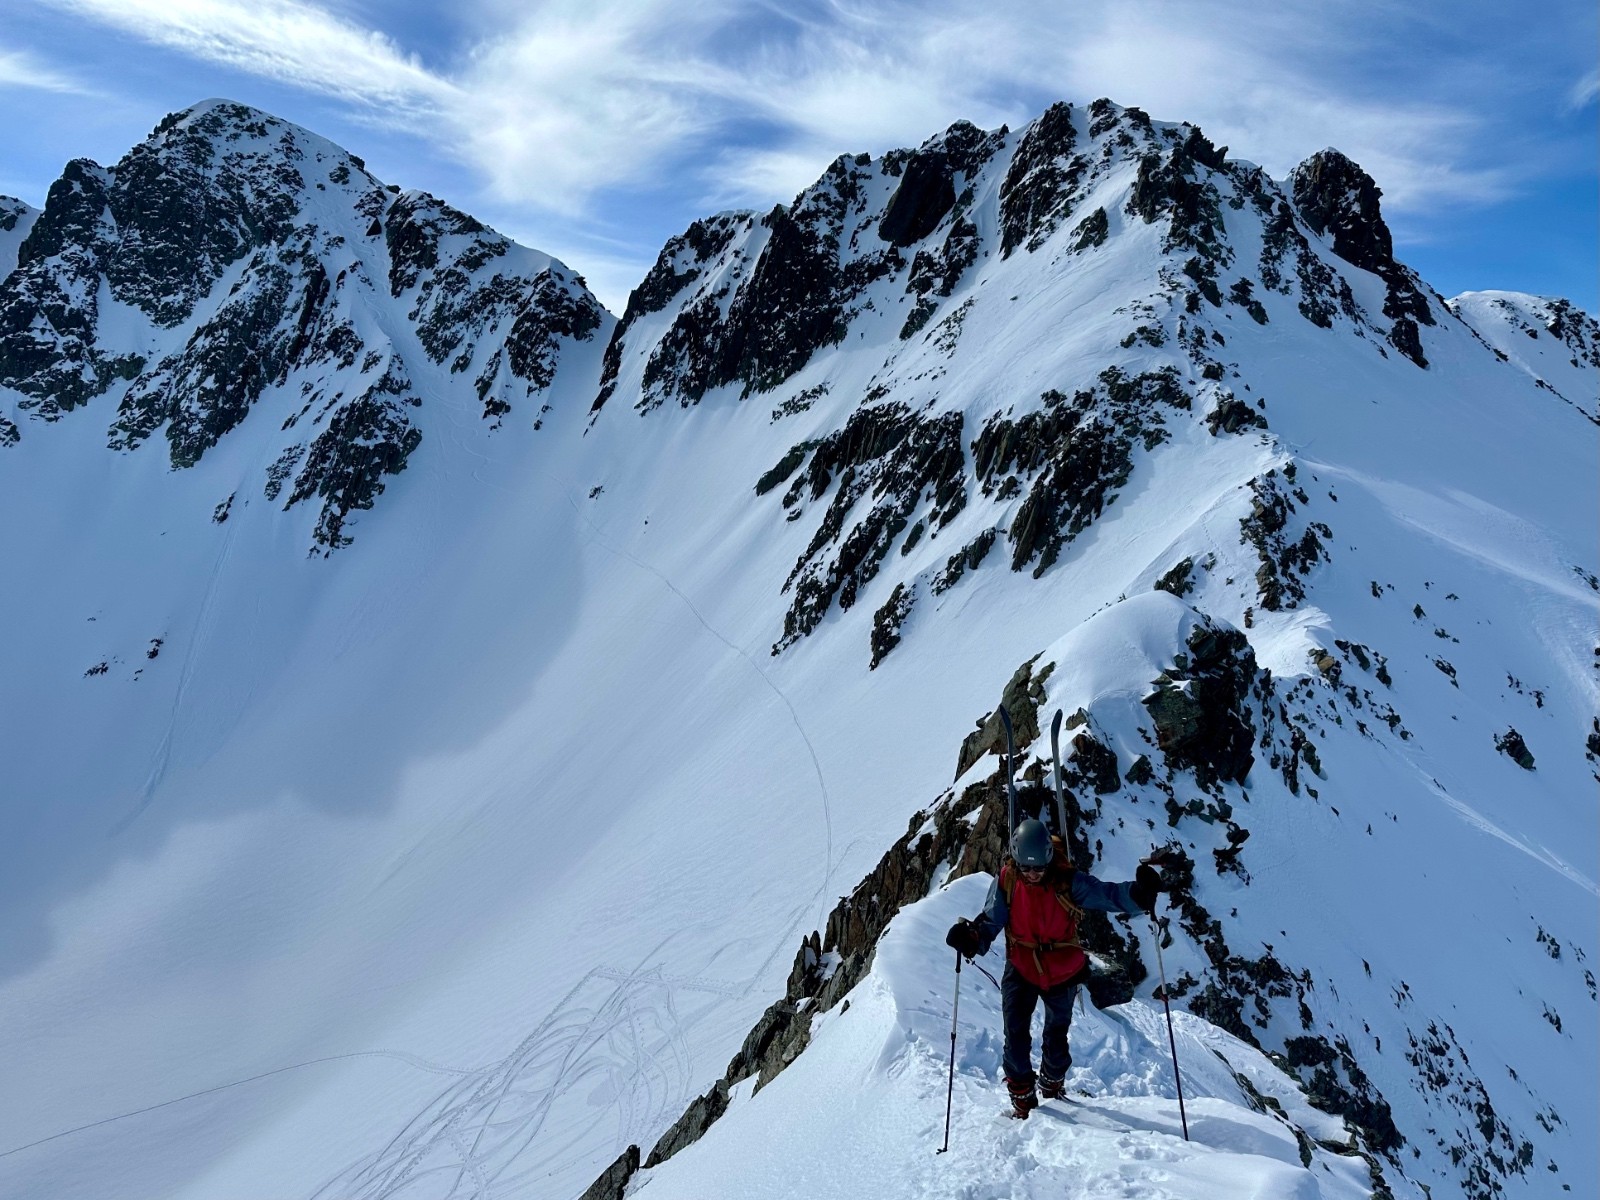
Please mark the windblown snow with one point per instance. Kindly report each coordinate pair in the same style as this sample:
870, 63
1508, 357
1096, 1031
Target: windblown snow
434, 711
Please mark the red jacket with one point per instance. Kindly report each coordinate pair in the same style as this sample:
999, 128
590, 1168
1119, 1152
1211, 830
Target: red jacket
1042, 929
1041, 919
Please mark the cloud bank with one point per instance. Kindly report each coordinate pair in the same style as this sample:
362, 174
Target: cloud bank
554, 101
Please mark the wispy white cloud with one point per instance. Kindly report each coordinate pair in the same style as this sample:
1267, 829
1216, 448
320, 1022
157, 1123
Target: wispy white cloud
1583, 92
283, 40
870, 76
21, 70
571, 98
1275, 89
744, 101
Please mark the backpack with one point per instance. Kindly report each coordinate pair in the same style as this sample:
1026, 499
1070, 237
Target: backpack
1060, 873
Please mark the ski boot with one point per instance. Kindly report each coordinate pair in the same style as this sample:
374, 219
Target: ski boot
1023, 1099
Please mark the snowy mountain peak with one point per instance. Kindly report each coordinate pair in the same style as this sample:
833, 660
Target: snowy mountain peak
233, 260
880, 248
1133, 363
1339, 200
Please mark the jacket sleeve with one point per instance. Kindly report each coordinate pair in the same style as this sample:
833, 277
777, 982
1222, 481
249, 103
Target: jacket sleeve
1089, 892
992, 919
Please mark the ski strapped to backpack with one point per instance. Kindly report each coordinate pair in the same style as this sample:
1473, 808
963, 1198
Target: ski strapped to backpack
1055, 759
1011, 775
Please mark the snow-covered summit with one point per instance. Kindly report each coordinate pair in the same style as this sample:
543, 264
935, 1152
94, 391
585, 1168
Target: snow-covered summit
234, 261
1007, 380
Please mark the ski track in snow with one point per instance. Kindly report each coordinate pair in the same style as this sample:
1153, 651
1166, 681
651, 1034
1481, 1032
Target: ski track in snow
412, 1060
1478, 821
503, 1108
202, 623
560, 1053
829, 862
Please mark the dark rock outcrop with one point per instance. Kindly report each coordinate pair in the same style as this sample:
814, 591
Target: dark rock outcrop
1285, 556
365, 440
49, 305
613, 1181
1200, 707
886, 622
1336, 198
1040, 187
904, 461
1023, 694
1177, 581
702, 1112
1173, 185
926, 193
1077, 452
1511, 744
1233, 415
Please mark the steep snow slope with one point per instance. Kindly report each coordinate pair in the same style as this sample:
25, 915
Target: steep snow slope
1555, 343
457, 861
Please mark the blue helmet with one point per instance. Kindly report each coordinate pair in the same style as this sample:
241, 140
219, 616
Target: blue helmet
1031, 845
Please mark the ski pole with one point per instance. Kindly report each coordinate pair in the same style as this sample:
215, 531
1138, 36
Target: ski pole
1172, 1040
950, 1091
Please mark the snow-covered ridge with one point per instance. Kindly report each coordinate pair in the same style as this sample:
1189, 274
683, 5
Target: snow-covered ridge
463, 860
871, 1090
1254, 949
233, 261
1557, 344
987, 337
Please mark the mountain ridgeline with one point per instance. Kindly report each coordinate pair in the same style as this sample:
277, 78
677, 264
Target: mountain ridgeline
1182, 449
234, 261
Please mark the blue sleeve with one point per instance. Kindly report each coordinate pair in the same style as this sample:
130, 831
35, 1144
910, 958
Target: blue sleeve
1089, 892
992, 919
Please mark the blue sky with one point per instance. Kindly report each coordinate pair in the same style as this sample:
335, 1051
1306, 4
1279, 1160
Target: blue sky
594, 130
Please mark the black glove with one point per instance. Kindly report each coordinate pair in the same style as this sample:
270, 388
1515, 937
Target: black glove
963, 936
1147, 885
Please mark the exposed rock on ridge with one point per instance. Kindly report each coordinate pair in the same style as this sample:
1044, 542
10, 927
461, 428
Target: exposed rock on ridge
1337, 198
888, 261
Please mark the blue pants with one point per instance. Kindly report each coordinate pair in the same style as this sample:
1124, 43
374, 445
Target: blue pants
1018, 998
